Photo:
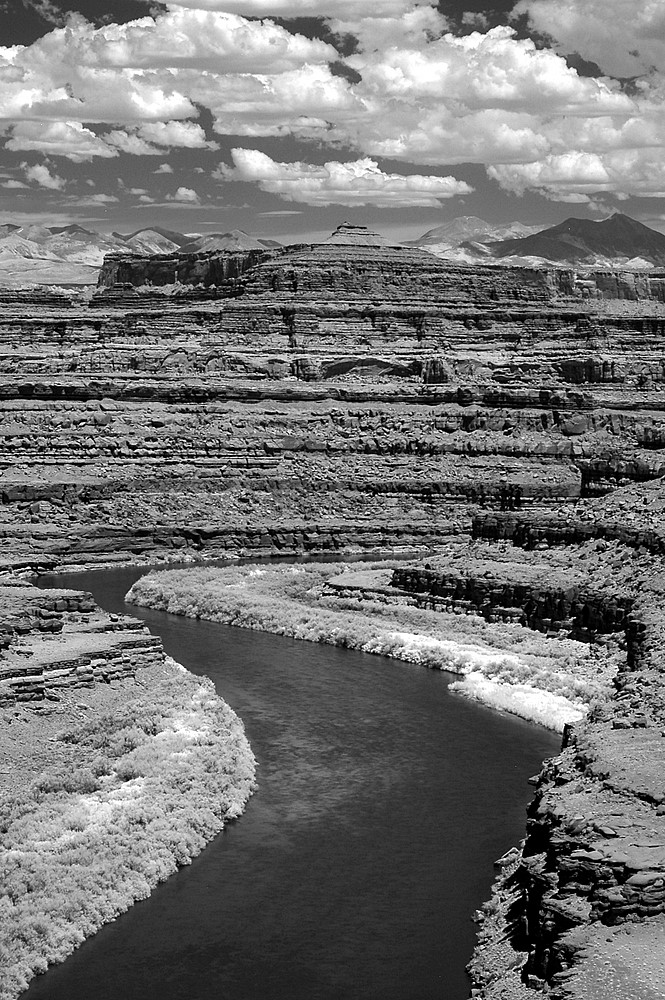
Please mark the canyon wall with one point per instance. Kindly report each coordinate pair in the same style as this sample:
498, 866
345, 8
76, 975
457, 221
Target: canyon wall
579, 912
360, 396
317, 397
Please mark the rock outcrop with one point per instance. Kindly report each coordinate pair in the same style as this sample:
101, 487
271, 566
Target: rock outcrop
55, 639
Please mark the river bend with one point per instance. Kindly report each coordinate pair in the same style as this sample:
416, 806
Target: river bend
353, 874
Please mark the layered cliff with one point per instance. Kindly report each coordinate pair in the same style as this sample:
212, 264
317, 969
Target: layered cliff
357, 395
579, 912
350, 393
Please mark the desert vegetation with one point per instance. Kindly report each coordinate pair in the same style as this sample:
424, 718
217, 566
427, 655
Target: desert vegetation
510, 667
157, 774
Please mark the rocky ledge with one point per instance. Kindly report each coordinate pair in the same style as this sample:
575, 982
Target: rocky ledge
56, 639
579, 911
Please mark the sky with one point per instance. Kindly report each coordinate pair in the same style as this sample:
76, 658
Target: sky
286, 117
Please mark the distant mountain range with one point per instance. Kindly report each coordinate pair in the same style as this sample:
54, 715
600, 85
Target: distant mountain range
615, 242
470, 227
73, 255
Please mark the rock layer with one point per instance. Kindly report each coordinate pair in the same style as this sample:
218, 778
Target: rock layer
317, 396
55, 639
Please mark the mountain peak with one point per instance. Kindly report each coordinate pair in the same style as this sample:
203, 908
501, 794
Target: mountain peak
616, 239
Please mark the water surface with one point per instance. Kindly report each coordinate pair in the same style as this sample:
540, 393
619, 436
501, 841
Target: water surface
355, 870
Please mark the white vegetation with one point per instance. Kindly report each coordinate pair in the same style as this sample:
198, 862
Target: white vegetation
165, 770
550, 710
549, 681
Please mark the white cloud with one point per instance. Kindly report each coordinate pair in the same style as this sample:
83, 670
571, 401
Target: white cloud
40, 174
95, 199
130, 142
377, 29
484, 71
423, 98
13, 185
576, 176
356, 183
131, 72
300, 102
69, 139
424, 95
186, 196
623, 37
200, 39
182, 134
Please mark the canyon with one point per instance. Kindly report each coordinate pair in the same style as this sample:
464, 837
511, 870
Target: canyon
360, 396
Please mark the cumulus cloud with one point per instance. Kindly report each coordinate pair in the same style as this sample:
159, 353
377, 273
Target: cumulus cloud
577, 176
41, 175
187, 38
96, 199
303, 102
377, 29
163, 168
130, 72
485, 70
13, 184
185, 196
151, 138
69, 139
422, 97
130, 142
185, 135
417, 93
359, 182
624, 38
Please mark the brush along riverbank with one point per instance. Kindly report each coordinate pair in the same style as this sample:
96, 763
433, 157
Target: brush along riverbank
104, 794
506, 666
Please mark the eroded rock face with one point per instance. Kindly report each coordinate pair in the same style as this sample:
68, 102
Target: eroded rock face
340, 391
361, 396
55, 639
580, 910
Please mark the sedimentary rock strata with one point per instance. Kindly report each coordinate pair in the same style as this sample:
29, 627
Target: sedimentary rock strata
359, 395
580, 911
346, 393
56, 639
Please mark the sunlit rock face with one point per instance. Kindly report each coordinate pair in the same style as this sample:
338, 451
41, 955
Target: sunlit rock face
358, 395
353, 392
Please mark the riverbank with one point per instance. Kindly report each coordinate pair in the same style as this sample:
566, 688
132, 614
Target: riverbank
507, 667
118, 766
580, 912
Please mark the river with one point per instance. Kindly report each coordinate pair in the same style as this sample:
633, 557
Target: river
353, 874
